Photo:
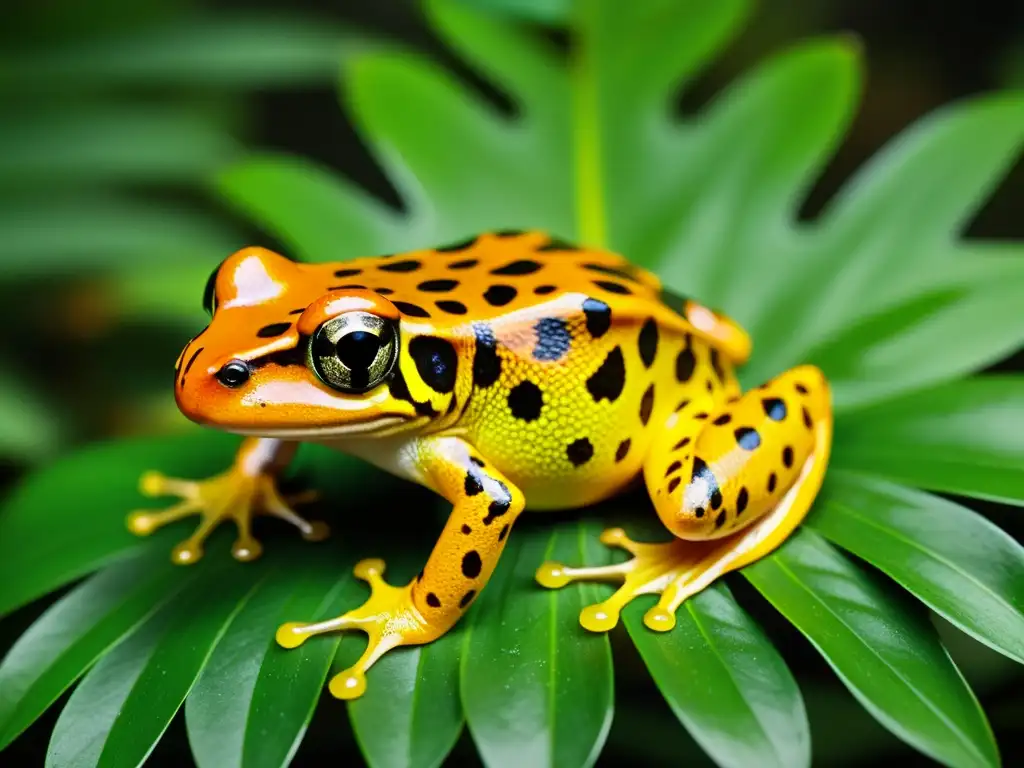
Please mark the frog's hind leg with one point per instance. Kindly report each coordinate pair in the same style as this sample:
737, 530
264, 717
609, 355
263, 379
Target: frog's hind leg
731, 483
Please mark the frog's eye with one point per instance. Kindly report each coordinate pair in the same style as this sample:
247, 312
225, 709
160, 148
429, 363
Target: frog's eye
210, 293
354, 351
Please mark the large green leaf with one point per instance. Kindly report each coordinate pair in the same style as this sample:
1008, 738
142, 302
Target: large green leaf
966, 437
29, 429
124, 704
957, 562
253, 701
536, 686
64, 642
726, 682
887, 655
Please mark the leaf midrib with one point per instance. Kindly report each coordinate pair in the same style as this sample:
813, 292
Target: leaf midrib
927, 702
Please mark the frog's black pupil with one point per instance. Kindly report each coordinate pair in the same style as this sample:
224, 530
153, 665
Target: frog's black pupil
357, 350
234, 374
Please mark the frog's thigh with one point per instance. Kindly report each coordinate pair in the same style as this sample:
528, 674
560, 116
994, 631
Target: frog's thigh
731, 491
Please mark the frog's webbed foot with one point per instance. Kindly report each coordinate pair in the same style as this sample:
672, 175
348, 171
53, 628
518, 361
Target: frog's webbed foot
388, 617
234, 495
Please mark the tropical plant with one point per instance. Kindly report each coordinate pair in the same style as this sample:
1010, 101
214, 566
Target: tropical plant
880, 290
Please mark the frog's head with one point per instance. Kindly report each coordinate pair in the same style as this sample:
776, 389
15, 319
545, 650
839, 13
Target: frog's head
285, 355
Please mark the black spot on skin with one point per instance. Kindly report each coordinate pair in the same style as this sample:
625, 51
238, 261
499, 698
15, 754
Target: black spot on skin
486, 363
508, 232
772, 480
622, 450
473, 486
521, 267
709, 385
613, 287
609, 379
741, 501
466, 529
675, 466
747, 438
557, 244
346, 287
436, 362
681, 444
500, 505
682, 405
701, 471
553, 339
774, 408
700, 416
297, 311
410, 309
733, 400
459, 246
646, 405
807, 418
348, 272
579, 452
648, 342
471, 564
400, 391
625, 274
433, 601
384, 291
499, 295
191, 361
699, 511
504, 532
686, 363
673, 484
478, 462
272, 330
722, 420
464, 264
544, 290
408, 265
787, 456
452, 307
599, 317
716, 364
438, 286
467, 598
720, 520
525, 401
800, 388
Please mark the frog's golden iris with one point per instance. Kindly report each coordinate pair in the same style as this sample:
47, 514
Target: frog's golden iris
507, 369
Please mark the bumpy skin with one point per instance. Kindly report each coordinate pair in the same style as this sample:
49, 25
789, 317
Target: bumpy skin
527, 370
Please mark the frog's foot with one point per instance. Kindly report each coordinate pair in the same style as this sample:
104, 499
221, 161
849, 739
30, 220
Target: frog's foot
233, 495
389, 617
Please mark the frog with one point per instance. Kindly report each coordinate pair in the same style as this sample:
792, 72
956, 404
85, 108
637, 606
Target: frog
508, 369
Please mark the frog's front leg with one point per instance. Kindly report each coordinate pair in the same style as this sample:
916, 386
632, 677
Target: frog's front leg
247, 489
486, 505
731, 481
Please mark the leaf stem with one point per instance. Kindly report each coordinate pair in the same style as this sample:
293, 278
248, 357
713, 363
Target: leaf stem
590, 208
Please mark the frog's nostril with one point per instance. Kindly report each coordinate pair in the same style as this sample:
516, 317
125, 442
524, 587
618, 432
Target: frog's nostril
234, 374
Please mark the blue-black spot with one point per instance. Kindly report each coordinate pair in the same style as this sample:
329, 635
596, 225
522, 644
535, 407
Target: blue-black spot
436, 362
553, 339
774, 408
599, 317
747, 438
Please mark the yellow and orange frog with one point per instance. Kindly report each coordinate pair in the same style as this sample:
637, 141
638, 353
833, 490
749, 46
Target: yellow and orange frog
509, 369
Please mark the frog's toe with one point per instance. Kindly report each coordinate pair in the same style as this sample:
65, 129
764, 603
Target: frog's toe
388, 617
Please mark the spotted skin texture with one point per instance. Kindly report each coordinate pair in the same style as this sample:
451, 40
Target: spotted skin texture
500, 370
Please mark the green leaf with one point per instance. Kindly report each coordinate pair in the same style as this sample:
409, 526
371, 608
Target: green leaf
965, 437
536, 686
958, 563
68, 519
228, 51
536, 10
75, 631
120, 709
726, 682
89, 145
29, 429
254, 700
887, 655
101, 232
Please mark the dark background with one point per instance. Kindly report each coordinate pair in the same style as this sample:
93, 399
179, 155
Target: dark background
919, 56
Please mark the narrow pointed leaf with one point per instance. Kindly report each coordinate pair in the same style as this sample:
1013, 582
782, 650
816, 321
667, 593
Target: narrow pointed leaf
726, 682
958, 563
123, 705
888, 656
253, 701
536, 687
68, 519
75, 631
965, 437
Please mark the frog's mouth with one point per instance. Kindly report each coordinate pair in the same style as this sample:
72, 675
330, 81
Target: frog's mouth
378, 427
